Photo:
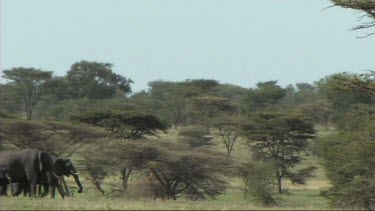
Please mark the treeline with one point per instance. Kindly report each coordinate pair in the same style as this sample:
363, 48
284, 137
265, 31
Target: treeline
92, 113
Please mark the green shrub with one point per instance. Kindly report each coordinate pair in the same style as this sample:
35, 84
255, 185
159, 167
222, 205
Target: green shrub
259, 179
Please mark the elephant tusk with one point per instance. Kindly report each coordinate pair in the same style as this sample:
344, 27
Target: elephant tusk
77, 174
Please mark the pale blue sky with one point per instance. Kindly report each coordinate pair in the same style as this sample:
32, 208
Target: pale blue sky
233, 41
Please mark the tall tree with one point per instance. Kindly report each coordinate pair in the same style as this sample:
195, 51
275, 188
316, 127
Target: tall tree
266, 94
30, 84
279, 137
96, 80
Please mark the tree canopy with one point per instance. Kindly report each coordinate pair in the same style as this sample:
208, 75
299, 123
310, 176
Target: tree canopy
279, 136
30, 84
365, 6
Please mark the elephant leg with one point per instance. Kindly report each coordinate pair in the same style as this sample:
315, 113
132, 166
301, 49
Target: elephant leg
33, 184
19, 189
39, 193
60, 190
26, 188
45, 189
65, 186
53, 192
59, 187
33, 181
11, 186
4, 189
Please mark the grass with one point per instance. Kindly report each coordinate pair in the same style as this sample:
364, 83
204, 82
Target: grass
301, 197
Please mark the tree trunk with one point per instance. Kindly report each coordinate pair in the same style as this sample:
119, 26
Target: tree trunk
278, 177
125, 173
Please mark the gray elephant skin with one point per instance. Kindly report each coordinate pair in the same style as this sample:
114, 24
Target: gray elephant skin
29, 164
62, 167
50, 180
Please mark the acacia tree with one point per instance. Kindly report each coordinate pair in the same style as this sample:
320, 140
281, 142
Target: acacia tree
278, 137
124, 126
203, 109
95, 80
30, 84
366, 6
265, 94
360, 84
348, 159
228, 128
176, 170
57, 138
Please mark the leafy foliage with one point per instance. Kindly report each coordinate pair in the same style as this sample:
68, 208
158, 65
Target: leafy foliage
229, 129
30, 84
195, 136
266, 94
124, 125
177, 170
279, 137
56, 138
259, 182
366, 6
95, 80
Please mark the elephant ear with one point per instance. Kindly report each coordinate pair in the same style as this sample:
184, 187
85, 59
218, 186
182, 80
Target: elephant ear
45, 161
58, 166
67, 162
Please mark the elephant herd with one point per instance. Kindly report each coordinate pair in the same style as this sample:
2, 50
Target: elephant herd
24, 170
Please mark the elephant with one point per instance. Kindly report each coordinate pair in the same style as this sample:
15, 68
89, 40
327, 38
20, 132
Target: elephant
4, 180
25, 165
50, 180
63, 167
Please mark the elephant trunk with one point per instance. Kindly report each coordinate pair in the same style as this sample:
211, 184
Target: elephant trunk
76, 178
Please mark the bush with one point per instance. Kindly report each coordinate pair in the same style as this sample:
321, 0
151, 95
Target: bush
349, 160
173, 169
195, 136
259, 182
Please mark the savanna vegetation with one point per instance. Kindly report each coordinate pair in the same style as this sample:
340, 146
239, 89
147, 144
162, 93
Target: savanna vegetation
198, 143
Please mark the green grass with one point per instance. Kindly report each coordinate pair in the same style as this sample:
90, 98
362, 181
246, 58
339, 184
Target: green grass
301, 197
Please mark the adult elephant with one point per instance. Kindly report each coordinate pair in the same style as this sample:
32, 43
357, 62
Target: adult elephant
29, 164
51, 180
63, 167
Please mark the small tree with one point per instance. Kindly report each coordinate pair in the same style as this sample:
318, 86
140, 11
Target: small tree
259, 182
228, 128
195, 137
279, 137
30, 84
176, 170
